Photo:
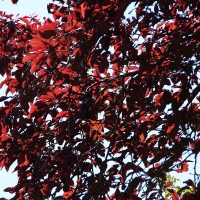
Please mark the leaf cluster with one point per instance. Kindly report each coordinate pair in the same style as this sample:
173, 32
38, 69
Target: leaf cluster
99, 106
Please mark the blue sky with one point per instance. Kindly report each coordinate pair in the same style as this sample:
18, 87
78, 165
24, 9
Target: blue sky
25, 7
28, 7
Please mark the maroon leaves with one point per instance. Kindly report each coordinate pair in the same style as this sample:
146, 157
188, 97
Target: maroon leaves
83, 7
14, 1
169, 184
174, 194
4, 136
25, 20
62, 114
89, 108
37, 43
23, 159
37, 61
48, 29
183, 168
29, 57
196, 146
189, 182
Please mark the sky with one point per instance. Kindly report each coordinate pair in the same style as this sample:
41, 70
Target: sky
25, 7
39, 7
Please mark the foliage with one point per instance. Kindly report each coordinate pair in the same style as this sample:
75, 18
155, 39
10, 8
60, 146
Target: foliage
97, 105
173, 184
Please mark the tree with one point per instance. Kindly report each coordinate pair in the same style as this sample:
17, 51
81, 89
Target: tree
91, 109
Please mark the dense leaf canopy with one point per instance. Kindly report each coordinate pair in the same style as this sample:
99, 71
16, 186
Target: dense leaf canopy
99, 106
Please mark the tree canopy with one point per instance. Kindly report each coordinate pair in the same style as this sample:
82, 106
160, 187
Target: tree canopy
100, 106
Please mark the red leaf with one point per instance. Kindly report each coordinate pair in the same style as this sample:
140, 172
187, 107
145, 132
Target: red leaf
97, 125
168, 184
4, 137
158, 99
51, 61
68, 70
25, 20
47, 34
159, 25
62, 114
68, 193
174, 194
37, 62
189, 182
4, 131
37, 43
184, 168
49, 97
57, 14
23, 159
29, 57
170, 128
83, 9
139, 9
196, 146
14, 1
76, 88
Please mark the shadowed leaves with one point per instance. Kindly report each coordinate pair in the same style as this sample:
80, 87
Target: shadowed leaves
91, 109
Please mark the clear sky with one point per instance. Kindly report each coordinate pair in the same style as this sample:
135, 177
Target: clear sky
25, 7
28, 7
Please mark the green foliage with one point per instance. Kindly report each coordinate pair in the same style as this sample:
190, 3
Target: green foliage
175, 186
198, 127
